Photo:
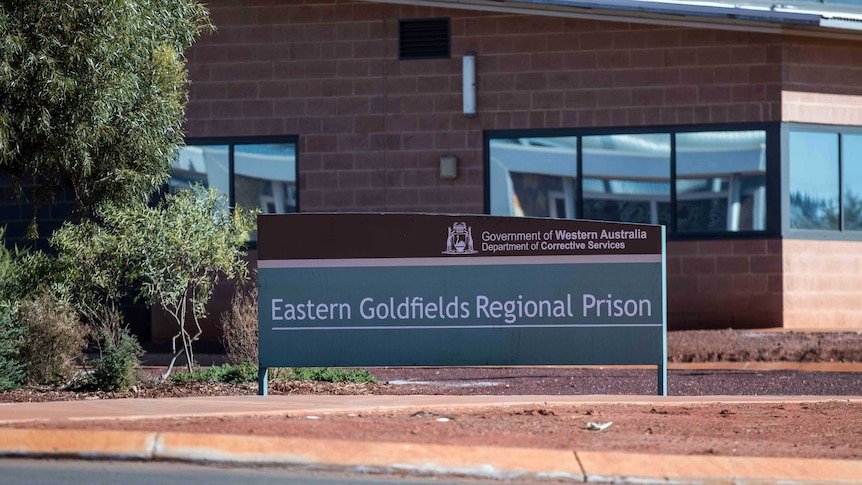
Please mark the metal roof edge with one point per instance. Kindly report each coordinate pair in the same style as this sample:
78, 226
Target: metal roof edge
702, 15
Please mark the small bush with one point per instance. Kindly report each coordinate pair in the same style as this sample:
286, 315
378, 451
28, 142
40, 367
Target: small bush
229, 373
54, 339
11, 340
326, 374
115, 370
239, 325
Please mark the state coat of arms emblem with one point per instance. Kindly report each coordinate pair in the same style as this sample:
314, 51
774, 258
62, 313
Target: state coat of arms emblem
460, 239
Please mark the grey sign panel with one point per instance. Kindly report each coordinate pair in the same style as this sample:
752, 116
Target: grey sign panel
441, 290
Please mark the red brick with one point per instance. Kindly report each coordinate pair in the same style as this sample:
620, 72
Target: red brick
321, 143
581, 60
207, 91
654, 58
634, 39
732, 264
751, 283
321, 180
296, 14
408, 197
714, 247
546, 100
581, 99
353, 142
333, 162
674, 266
713, 94
752, 246
354, 179
766, 264
698, 265
548, 61
353, 106
338, 200
681, 95
515, 101
696, 75
603, 78
257, 109
198, 109
226, 109
246, 71
608, 98
234, 15
514, 63
417, 104
664, 38
448, 140
648, 97
713, 56
614, 60
371, 199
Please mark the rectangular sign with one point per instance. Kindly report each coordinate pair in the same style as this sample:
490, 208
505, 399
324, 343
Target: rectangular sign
348, 290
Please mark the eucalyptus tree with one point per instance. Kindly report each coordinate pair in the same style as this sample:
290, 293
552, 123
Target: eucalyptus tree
92, 97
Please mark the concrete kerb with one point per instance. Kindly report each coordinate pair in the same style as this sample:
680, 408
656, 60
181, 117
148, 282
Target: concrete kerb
440, 460
388, 457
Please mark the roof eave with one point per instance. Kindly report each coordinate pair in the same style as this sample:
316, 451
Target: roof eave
768, 22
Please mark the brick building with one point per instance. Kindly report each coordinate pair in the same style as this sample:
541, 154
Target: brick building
736, 124
740, 128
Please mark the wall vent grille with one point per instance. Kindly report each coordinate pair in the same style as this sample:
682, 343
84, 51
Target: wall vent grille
424, 38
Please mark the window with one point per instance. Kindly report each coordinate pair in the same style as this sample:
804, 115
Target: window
255, 175
694, 182
537, 176
813, 178
265, 177
851, 156
627, 178
721, 181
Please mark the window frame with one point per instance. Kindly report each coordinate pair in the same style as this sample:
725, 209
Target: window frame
231, 142
774, 169
841, 233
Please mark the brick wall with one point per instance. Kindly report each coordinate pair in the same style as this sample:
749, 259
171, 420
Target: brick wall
723, 284
372, 128
821, 82
822, 284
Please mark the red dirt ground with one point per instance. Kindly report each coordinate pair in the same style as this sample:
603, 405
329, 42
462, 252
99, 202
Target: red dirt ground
821, 428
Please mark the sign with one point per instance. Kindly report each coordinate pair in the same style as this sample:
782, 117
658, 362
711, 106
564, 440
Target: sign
348, 290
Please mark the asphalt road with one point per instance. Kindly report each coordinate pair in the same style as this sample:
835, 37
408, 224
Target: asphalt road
62, 472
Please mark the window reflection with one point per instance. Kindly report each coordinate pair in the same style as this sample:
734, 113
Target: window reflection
208, 165
627, 178
534, 177
265, 177
721, 181
813, 178
851, 156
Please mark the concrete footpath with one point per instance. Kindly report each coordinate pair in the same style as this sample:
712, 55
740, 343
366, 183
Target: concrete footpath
473, 461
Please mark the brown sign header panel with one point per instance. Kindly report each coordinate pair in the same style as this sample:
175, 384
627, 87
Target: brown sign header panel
346, 236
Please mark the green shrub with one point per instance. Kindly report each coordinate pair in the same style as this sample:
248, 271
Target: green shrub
247, 372
233, 374
11, 339
327, 374
53, 341
115, 370
239, 326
